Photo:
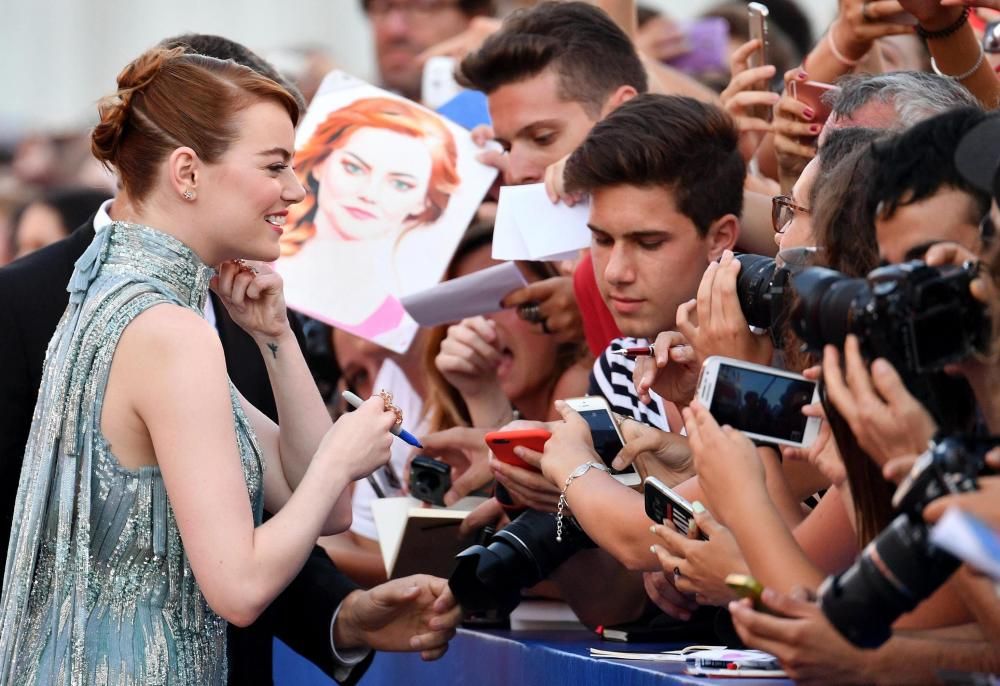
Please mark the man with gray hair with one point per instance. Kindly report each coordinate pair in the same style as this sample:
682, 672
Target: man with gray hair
892, 101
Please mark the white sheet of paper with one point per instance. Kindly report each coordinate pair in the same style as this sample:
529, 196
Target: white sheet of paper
969, 539
530, 227
467, 296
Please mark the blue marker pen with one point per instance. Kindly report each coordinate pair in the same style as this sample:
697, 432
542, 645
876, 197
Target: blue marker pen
397, 430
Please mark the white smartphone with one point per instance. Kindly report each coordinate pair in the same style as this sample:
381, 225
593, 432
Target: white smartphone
438, 84
608, 440
757, 16
665, 505
763, 402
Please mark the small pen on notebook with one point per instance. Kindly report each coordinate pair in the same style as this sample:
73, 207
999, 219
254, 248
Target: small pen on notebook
397, 430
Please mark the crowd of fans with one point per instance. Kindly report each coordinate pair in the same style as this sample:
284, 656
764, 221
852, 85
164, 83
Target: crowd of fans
687, 167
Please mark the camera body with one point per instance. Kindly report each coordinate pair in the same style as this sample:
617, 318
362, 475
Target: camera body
429, 479
901, 567
919, 318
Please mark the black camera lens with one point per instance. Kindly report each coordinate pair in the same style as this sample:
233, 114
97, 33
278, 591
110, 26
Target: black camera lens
491, 577
901, 567
753, 287
824, 309
425, 485
895, 572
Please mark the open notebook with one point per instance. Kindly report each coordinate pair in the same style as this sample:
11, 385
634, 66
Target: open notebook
416, 539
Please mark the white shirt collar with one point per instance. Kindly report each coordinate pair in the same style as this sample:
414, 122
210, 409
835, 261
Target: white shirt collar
103, 217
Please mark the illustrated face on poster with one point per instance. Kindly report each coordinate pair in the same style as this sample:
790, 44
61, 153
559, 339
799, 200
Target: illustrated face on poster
390, 188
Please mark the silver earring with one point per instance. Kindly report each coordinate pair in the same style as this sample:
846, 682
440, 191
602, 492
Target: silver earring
188, 194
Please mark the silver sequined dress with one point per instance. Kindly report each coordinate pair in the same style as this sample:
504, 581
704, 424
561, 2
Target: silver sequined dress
97, 588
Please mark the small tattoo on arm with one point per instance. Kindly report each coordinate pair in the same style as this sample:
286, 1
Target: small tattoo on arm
274, 349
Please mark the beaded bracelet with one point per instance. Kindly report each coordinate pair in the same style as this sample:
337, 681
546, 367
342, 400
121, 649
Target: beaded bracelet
966, 74
947, 30
579, 471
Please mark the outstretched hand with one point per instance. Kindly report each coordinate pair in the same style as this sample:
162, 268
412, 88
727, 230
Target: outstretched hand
558, 311
465, 451
886, 420
413, 613
809, 648
703, 565
665, 454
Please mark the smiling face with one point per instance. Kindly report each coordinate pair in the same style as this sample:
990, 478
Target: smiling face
245, 195
374, 184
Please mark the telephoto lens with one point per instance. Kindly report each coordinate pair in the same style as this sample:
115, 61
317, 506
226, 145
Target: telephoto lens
518, 556
901, 567
919, 318
893, 575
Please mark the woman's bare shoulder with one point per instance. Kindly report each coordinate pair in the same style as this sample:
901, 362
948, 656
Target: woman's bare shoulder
168, 332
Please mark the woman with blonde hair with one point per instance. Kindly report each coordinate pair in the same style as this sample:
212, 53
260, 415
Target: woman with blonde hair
376, 170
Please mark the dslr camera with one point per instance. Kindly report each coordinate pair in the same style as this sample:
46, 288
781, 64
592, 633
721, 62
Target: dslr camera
919, 318
901, 567
489, 578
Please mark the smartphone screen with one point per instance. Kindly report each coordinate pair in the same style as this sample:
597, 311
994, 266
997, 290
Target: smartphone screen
761, 403
605, 436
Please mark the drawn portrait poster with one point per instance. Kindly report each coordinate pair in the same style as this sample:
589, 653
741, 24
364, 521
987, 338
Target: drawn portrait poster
390, 189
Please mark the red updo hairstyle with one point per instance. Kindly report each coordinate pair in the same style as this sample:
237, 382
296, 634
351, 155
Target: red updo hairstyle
169, 99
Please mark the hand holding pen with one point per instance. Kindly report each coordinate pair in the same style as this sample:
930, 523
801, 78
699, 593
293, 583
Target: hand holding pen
669, 366
397, 428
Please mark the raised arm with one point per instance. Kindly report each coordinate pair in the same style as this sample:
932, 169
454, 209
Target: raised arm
183, 402
253, 298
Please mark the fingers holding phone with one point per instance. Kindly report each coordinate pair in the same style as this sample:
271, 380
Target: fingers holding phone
747, 97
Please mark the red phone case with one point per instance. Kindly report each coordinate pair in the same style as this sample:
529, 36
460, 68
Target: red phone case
502, 443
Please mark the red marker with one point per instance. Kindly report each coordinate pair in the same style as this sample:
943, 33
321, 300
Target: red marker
632, 353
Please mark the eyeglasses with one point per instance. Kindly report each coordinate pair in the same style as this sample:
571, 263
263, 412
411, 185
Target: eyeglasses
783, 212
411, 9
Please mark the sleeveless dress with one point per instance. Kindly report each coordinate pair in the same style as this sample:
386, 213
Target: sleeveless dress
98, 589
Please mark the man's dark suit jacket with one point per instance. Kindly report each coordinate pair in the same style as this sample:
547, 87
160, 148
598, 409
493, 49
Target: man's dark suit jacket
33, 297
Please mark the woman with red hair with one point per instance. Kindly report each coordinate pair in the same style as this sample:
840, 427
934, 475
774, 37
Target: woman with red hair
376, 170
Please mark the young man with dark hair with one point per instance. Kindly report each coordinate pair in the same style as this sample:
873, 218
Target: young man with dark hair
665, 179
550, 73
919, 196
403, 29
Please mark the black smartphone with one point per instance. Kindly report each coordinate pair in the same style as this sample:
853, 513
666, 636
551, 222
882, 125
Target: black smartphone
665, 505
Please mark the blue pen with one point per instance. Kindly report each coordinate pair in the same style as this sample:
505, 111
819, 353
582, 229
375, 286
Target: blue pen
397, 430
